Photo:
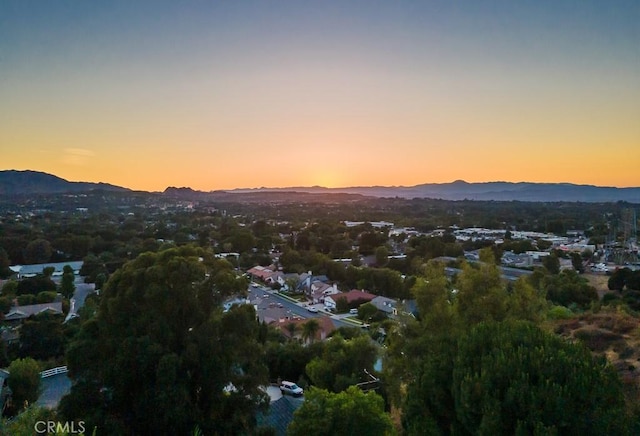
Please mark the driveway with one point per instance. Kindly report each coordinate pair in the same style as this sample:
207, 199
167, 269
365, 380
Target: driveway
53, 389
80, 294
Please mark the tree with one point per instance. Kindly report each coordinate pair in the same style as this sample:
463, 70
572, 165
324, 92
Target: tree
351, 412
525, 302
342, 305
370, 240
24, 381
309, 330
618, 279
161, 357
5, 304
101, 279
343, 363
10, 288
382, 256
288, 360
367, 311
291, 329
91, 267
576, 262
569, 288
481, 294
5, 272
421, 356
487, 255
551, 263
35, 285
24, 424
42, 337
38, 251
514, 378
67, 286
242, 240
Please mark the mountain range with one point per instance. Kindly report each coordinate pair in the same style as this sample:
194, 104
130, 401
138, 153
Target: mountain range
497, 191
32, 182
14, 182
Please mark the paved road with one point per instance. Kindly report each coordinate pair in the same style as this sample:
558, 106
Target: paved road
80, 294
53, 389
297, 309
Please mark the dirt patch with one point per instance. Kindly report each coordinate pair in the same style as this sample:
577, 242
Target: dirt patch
598, 281
613, 334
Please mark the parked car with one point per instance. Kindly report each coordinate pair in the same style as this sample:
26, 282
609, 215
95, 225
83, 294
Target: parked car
353, 311
290, 388
312, 309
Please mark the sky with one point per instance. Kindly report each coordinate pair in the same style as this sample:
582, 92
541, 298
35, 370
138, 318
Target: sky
240, 94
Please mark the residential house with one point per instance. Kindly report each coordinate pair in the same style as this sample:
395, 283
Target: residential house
19, 313
25, 271
306, 279
354, 298
260, 273
319, 290
387, 305
325, 324
277, 277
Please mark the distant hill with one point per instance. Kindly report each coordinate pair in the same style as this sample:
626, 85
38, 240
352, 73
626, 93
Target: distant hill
14, 182
32, 182
498, 191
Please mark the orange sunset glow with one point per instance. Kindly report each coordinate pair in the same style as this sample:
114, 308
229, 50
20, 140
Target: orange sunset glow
327, 93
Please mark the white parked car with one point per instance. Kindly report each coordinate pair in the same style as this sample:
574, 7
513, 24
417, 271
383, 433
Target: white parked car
290, 388
312, 309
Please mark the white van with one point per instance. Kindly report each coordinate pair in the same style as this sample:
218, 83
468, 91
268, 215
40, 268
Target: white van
290, 388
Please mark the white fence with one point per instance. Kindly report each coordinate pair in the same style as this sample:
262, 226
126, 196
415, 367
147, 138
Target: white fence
53, 371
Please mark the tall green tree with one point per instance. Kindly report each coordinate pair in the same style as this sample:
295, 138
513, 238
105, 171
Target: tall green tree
42, 337
24, 381
343, 363
351, 412
160, 357
421, 356
525, 302
38, 251
514, 378
481, 294
569, 288
67, 285
309, 330
5, 272
382, 256
551, 263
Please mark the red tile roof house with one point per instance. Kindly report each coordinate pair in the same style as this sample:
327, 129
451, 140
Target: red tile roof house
354, 298
260, 272
325, 323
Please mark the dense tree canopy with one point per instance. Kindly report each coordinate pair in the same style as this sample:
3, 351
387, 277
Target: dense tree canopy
42, 337
343, 363
470, 367
160, 357
513, 378
350, 412
24, 382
